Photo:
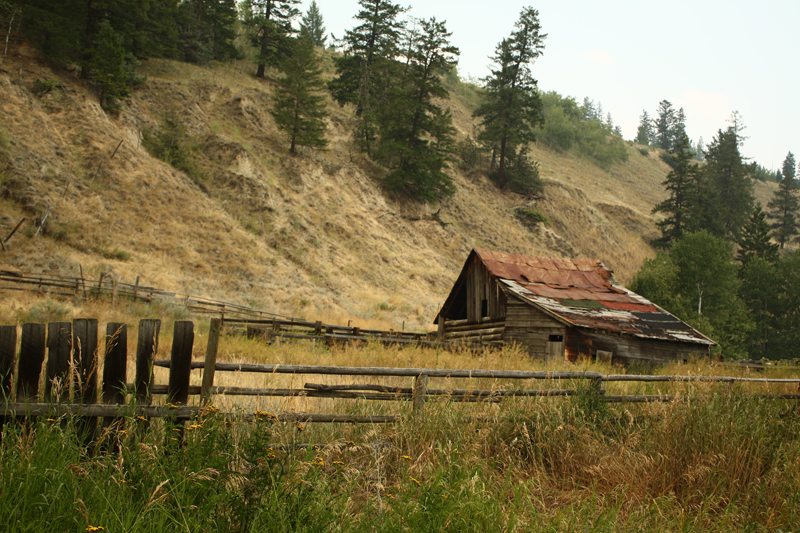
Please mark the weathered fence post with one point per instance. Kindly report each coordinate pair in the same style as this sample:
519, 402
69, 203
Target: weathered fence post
146, 349
31, 357
59, 346
211, 360
8, 356
440, 332
84, 357
180, 368
419, 392
115, 371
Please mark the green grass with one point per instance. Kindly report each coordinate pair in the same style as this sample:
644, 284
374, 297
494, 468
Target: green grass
725, 463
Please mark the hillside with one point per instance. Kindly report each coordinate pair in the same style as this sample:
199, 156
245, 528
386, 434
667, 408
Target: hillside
312, 235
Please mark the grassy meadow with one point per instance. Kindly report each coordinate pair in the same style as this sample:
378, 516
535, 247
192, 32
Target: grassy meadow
722, 461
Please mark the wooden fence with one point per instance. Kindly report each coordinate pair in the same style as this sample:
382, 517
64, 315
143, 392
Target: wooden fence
69, 354
111, 287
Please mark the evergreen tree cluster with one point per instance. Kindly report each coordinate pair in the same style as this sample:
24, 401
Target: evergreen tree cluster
722, 267
391, 69
666, 130
106, 38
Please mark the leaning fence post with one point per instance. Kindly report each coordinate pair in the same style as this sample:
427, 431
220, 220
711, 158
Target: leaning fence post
180, 368
146, 349
211, 360
115, 369
84, 357
8, 356
419, 392
59, 346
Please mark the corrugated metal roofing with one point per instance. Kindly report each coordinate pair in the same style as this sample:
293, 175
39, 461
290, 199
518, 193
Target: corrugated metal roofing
548, 282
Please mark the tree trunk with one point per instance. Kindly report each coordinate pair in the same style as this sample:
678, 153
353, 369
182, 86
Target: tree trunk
501, 177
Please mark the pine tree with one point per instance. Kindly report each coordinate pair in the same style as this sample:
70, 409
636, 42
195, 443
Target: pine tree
665, 126
726, 175
755, 240
785, 206
366, 68
679, 128
699, 150
416, 135
589, 112
312, 20
645, 131
680, 183
106, 66
270, 25
207, 30
512, 108
299, 107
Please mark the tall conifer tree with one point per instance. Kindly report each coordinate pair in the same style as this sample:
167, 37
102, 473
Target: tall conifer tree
785, 206
755, 240
299, 105
681, 186
312, 20
270, 24
416, 135
365, 69
512, 108
725, 174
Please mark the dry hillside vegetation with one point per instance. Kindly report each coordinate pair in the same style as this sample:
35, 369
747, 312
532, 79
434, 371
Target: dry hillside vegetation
312, 235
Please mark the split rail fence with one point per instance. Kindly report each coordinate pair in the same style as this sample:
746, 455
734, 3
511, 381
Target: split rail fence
68, 352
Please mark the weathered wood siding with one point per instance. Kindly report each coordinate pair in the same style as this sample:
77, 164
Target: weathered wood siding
530, 327
627, 349
482, 287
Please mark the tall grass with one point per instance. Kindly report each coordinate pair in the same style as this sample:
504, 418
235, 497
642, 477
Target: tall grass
726, 463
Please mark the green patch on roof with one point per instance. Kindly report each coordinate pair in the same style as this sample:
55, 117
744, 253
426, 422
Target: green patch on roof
582, 303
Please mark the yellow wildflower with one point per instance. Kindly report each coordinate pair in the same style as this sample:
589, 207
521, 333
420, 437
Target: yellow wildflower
416, 481
95, 528
406, 457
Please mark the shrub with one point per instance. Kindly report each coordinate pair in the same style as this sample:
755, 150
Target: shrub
522, 174
644, 151
172, 144
531, 215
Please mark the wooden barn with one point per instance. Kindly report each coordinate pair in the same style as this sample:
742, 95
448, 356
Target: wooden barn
562, 308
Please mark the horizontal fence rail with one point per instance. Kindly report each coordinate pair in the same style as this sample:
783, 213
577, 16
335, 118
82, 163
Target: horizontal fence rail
69, 355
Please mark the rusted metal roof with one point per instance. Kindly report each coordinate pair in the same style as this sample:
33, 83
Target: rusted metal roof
583, 293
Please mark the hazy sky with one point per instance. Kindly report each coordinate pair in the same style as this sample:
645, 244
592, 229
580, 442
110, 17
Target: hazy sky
710, 57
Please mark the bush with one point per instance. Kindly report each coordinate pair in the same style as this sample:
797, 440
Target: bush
644, 151
172, 144
522, 174
531, 215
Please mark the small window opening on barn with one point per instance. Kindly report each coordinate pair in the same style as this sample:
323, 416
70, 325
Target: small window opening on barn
556, 338
484, 308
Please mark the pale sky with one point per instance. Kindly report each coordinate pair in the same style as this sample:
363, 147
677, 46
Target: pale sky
710, 57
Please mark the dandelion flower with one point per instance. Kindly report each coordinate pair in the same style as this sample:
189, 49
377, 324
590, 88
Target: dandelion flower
406, 457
